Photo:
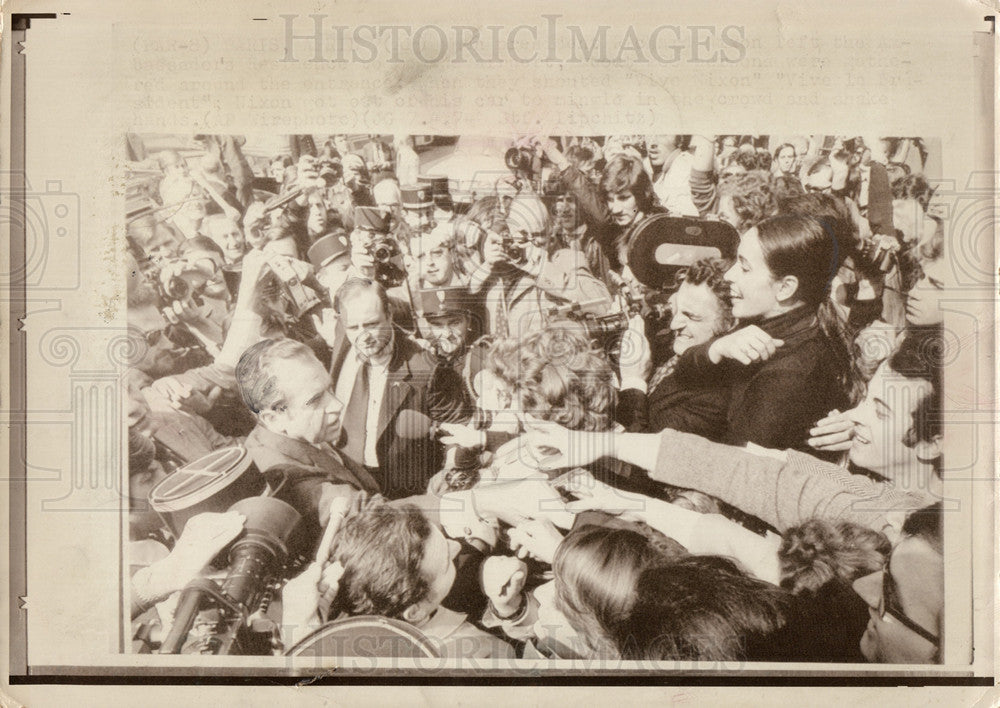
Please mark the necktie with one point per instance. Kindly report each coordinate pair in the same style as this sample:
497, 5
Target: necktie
356, 416
662, 372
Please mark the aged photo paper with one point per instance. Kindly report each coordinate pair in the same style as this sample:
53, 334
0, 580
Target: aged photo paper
544, 175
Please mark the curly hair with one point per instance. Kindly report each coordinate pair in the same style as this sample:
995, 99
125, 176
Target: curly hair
381, 548
913, 187
820, 551
749, 161
753, 196
712, 273
560, 375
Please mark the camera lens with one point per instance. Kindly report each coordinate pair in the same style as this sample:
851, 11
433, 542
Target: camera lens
178, 288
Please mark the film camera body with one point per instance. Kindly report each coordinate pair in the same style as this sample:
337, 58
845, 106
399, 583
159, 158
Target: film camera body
660, 246
227, 615
389, 272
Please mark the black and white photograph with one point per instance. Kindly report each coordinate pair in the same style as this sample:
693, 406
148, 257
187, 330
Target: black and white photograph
661, 398
379, 353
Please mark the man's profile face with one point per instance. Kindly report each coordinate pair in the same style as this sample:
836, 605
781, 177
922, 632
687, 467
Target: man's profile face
155, 354
438, 569
659, 147
881, 421
312, 412
913, 591
924, 301
366, 324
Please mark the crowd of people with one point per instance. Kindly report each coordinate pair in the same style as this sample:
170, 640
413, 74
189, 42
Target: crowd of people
499, 435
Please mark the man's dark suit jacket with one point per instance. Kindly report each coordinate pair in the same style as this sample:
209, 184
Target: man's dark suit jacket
405, 466
312, 467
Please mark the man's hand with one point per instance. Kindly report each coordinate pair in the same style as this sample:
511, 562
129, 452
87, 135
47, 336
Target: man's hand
538, 539
254, 263
594, 494
635, 358
180, 396
747, 345
253, 219
522, 500
326, 324
554, 447
502, 579
462, 435
203, 537
306, 598
360, 257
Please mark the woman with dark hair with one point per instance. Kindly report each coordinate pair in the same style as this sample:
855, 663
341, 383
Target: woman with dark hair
701, 608
789, 361
706, 608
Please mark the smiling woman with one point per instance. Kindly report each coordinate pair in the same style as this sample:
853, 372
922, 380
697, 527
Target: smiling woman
473, 349
788, 334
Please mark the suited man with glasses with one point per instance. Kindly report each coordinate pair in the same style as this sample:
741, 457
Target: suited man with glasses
906, 598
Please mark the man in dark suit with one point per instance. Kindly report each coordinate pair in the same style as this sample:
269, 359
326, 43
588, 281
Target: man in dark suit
298, 420
700, 310
378, 371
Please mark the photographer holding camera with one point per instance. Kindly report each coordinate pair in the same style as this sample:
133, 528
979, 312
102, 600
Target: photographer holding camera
509, 263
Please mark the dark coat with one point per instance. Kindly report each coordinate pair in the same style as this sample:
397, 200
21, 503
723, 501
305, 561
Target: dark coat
313, 465
405, 466
701, 408
775, 403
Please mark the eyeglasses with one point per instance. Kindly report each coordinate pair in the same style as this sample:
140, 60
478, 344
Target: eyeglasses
890, 605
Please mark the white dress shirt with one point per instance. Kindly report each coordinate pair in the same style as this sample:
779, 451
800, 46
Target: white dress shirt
378, 376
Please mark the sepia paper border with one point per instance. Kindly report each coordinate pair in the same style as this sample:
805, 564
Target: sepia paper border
940, 24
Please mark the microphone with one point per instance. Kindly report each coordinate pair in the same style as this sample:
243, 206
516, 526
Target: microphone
414, 425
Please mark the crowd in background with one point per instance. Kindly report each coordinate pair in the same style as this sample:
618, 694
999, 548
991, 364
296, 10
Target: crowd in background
500, 429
